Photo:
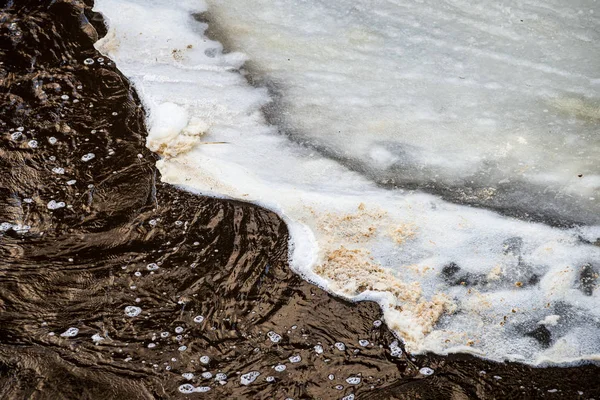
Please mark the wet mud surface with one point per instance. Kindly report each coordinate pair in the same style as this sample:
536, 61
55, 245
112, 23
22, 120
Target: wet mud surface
114, 285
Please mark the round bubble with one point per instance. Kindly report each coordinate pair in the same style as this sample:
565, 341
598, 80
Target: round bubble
274, 337
70, 332
248, 378
187, 388
395, 349
87, 157
132, 311
152, 267
54, 205
221, 376
295, 359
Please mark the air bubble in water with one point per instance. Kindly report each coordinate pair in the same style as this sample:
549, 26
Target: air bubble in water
15, 135
331, 377
395, 349
186, 388
198, 319
248, 378
377, 323
295, 359
363, 343
58, 170
33, 144
270, 379
97, 338
275, 337
221, 377
349, 397
182, 348
188, 375
353, 380
340, 346
319, 349
152, 267
87, 157
132, 311
54, 205
280, 368
64, 97
206, 375
88, 61
164, 334
205, 359
70, 332
71, 182
426, 371
179, 329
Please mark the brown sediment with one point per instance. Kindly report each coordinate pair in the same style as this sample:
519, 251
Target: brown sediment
81, 265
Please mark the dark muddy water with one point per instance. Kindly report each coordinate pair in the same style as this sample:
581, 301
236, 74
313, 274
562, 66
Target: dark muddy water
113, 285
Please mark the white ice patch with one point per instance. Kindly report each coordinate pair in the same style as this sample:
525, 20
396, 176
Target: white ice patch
448, 277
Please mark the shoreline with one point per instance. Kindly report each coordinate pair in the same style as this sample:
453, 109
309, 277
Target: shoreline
72, 275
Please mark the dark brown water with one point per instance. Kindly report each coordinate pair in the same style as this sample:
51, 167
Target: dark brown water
210, 276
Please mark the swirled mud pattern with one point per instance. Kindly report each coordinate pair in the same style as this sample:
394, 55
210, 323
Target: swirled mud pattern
114, 285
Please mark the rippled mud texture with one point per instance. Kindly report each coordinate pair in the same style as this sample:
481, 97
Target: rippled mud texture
89, 233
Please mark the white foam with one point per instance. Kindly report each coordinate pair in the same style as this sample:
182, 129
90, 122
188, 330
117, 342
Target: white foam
349, 235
